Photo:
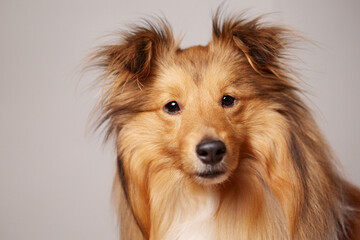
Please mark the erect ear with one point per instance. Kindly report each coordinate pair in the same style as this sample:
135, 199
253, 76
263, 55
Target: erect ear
262, 45
134, 55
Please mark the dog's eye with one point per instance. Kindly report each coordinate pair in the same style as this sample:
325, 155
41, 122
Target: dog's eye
227, 101
172, 107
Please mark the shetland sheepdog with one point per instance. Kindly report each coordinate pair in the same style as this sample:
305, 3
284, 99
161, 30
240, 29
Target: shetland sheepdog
214, 142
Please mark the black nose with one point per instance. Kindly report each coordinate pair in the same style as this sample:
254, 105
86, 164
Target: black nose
211, 151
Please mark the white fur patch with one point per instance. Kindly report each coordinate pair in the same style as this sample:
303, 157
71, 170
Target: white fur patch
196, 224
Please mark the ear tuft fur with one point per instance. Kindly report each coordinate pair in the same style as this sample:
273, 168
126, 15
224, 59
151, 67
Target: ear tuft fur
135, 53
262, 45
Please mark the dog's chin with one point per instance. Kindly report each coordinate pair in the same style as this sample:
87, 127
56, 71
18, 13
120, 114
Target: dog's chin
211, 177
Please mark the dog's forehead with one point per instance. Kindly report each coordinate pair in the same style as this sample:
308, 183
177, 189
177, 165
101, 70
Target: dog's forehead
194, 60
196, 65
196, 53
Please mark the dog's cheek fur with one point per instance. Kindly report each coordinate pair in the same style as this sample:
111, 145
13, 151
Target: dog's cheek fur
152, 165
140, 156
267, 131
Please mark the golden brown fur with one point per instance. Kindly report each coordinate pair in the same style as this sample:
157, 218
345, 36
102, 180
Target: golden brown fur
279, 182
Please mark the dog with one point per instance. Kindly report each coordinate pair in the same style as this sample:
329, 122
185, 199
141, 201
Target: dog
214, 142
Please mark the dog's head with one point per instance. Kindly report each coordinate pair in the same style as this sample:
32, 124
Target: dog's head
201, 111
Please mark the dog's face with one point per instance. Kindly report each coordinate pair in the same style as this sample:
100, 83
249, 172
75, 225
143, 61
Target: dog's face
197, 100
200, 111
200, 106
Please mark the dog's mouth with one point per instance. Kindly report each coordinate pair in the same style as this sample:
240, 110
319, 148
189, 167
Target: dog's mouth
210, 174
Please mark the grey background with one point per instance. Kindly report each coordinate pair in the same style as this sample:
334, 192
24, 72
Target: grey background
55, 176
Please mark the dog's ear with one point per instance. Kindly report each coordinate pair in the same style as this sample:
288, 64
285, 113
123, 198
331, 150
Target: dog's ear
262, 45
134, 55
126, 66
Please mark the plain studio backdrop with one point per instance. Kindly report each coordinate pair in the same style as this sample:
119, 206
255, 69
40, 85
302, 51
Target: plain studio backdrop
55, 174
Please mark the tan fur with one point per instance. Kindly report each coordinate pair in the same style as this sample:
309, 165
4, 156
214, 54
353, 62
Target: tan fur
280, 180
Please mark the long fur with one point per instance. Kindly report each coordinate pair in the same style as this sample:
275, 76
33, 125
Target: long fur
280, 180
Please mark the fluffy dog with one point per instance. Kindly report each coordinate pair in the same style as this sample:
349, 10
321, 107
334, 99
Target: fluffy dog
214, 142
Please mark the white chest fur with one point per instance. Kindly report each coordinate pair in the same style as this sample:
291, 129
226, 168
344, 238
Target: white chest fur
195, 221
